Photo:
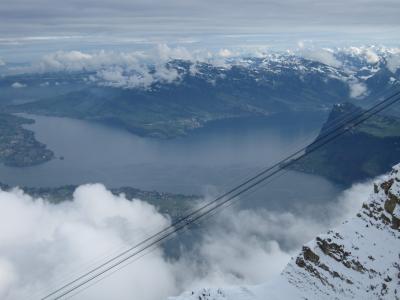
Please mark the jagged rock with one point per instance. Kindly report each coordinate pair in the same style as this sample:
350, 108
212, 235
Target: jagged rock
332, 249
390, 204
300, 262
387, 185
310, 256
395, 223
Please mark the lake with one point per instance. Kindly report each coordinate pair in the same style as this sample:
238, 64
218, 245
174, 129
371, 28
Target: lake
207, 161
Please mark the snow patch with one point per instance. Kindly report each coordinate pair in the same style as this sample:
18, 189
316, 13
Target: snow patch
18, 85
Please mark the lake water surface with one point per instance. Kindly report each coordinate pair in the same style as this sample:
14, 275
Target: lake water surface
208, 160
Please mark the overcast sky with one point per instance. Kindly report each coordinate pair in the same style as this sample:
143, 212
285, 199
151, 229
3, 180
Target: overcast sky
94, 22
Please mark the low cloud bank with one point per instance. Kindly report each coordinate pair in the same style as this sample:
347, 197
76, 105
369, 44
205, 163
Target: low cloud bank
43, 245
41, 242
135, 69
393, 61
325, 56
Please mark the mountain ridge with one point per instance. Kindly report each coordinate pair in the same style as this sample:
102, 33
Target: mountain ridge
363, 152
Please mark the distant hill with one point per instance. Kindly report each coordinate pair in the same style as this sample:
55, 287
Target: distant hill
175, 205
364, 152
18, 146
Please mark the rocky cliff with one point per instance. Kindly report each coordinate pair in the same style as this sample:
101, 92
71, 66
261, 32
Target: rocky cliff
360, 259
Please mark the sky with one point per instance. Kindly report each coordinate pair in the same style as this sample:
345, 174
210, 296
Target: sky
29, 28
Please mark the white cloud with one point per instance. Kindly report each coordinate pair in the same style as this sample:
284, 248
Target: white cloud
80, 61
351, 200
69, 61
194, 70
143, 77
42, 241
251, 247
2, 62
358, 89
371, 56
166, 53
113, 76
7, 277
301, 44
43, 244
125, 70
243, 246
138, 69
325, 56
18, 85
393, 62
225, 53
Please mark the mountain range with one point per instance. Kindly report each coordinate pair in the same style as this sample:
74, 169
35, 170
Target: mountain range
171, 98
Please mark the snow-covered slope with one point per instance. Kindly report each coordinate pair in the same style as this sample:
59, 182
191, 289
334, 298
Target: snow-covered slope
360, 259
